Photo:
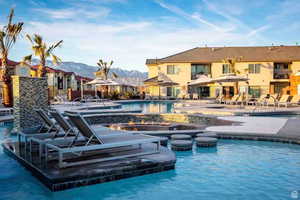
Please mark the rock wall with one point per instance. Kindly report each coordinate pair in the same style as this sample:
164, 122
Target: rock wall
129, 117
29, 93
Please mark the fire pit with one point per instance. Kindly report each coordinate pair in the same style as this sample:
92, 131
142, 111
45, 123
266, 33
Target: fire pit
153, 126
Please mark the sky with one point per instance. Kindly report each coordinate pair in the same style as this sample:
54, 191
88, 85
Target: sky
130, 31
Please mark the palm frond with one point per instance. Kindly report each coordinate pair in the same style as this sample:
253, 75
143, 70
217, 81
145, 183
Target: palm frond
114, 75
29, 38
27, 58
56, 60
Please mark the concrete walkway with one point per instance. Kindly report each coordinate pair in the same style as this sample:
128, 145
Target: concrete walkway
260, 126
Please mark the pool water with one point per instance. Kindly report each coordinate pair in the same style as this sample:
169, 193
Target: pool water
150, 106
233, 170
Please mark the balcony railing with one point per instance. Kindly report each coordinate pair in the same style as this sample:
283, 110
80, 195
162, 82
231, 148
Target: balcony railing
282, 73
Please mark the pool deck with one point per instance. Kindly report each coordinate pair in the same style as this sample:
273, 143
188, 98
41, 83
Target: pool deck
260, 128
57, 179
206, 108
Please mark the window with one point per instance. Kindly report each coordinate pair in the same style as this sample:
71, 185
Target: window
171, 69
281, 71
198, 69
173, 91
254, 68
254, 91
226, 69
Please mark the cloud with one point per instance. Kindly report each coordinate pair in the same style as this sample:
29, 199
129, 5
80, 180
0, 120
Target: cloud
234, 20
128, 44
260, 29
74, 13
195, 17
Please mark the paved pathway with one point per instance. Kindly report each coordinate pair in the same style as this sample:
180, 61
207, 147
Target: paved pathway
264, 126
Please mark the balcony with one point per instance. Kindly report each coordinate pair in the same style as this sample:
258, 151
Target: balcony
282, 73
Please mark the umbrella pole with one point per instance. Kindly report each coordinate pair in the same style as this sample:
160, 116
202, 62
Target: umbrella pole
95, 91
236, 92
81, 88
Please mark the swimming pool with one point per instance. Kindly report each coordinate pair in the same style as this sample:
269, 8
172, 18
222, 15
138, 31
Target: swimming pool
150, 106
232, 170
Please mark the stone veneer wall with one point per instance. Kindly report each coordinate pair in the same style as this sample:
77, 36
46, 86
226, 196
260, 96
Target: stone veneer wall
174, 117
29, 94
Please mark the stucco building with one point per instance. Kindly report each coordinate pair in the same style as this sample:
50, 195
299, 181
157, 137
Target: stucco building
269, 69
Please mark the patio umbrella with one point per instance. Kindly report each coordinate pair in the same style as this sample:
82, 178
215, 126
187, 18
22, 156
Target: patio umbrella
160, 80
230, 78
102, 82
201, 80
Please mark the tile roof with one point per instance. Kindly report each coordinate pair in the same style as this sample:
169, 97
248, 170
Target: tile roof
245, 54
10, 63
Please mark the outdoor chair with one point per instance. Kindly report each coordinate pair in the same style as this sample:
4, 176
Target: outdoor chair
241, 100
294, 101
48, 124
65, 131
95, 141
260, 101
233, 99
220, 99
272, 100
195, 96
284, 100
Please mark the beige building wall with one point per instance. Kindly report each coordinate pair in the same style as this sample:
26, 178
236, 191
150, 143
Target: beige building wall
264, 79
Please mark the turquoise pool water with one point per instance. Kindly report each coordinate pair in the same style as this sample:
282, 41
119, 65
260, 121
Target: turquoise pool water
150, 106
234, 170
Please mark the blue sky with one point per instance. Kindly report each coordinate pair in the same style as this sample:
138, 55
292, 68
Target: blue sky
129, 31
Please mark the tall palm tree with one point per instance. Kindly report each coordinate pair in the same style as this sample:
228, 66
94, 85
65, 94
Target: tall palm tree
104, 69
41, 50
8, 37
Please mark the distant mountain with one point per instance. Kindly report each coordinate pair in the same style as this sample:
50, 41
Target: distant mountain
127, 76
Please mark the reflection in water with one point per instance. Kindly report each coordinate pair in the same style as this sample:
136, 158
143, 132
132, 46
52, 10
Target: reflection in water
150, 106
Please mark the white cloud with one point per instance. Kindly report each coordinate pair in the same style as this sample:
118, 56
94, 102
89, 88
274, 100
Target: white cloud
182, 13
128, 44
74, 13
227, 14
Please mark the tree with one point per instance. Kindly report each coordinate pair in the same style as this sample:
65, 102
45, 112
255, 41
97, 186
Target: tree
104, 69
41, 50
232, 62
8, 37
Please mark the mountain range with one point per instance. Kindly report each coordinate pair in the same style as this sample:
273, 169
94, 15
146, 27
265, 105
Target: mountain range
133, 77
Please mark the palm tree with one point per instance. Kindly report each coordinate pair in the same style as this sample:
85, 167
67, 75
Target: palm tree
41, 50
8, 37
104, 69
232, 62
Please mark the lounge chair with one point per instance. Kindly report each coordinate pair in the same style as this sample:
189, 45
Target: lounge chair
48, 124
220, 99
260, 101
96, 142
284, 100
272, 100
294, 101
195, 96
65, 131
233, 99
181, 96
241, 100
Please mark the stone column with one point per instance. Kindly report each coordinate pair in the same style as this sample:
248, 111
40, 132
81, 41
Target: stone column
29, 93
